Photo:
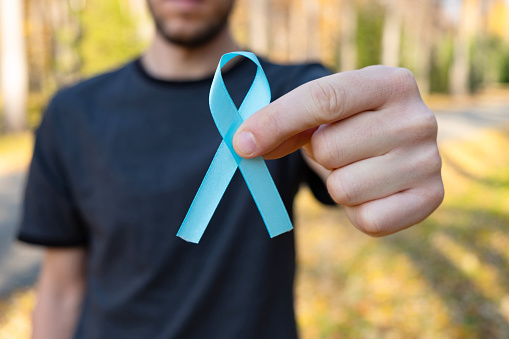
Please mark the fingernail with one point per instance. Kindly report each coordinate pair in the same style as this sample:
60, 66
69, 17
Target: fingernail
246, 143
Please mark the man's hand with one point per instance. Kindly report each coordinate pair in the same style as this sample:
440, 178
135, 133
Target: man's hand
371, 129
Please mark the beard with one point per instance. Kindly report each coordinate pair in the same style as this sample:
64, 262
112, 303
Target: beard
209, 30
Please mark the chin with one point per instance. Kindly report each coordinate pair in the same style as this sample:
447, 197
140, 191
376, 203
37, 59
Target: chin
190, 22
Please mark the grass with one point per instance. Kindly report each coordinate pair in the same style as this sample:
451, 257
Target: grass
15, 152
15, 315
447, 277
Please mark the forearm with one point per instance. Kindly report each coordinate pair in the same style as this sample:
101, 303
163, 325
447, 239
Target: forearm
56, 314
60, 292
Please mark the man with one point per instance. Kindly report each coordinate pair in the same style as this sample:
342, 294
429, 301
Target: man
118, 159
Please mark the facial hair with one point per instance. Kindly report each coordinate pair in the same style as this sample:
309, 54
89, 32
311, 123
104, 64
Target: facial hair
202, 37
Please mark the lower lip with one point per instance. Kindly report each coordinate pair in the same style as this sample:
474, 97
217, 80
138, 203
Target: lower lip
187, 4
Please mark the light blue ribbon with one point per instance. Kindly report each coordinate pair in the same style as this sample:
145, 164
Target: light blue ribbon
225, 162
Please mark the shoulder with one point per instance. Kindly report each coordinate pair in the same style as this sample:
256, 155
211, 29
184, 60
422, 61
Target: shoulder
285, 77
72, 104
92, 88
75, 107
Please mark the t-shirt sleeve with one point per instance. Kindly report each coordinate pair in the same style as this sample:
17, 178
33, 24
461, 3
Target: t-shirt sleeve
50, 217
317, 186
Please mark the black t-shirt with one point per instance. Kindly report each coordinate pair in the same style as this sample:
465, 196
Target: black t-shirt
117, 161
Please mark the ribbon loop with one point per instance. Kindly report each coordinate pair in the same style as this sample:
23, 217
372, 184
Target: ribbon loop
228, 119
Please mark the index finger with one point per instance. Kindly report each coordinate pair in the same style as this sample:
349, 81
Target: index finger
315, 103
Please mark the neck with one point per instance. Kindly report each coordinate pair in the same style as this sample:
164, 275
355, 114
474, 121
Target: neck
165, 60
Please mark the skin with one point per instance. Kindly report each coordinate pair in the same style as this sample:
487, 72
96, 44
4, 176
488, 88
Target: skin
373, 134
358, 129
181, 21
367, 133
60, 290
62, 281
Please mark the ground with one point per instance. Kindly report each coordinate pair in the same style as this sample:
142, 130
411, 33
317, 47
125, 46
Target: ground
444, 278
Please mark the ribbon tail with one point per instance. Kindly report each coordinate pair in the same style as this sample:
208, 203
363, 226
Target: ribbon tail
265, 194
211, 190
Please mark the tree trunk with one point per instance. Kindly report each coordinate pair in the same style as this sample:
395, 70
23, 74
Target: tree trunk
298, 31
279, 41
391, 35
460, 69
145, 26
311, 16
458, 77
424, 35
259, 26
13, 70
348, 51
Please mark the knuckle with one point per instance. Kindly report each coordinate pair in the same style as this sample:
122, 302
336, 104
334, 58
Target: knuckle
403, 81
368, 223
430, 163
327, 100
341, 192
421, 123
323, 148
435, 160
437, 193
426, 124
268, 124
432, 193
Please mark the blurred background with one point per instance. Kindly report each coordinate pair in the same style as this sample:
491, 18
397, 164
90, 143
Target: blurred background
445, 278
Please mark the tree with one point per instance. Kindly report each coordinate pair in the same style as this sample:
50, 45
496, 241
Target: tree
312, 17
348, 49
259, 26
422, 31
298, 31
14, 73
391, 35
279, 27
467, 26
